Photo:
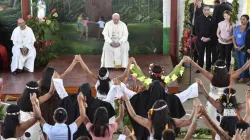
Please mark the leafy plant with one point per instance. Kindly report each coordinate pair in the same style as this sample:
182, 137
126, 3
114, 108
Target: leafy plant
2, 111
40, 28
235, 12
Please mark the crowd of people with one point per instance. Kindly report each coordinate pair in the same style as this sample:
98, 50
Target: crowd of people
46, 111
219, 36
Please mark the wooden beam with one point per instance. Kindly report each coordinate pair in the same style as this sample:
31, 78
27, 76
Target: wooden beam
173, 32
25, 9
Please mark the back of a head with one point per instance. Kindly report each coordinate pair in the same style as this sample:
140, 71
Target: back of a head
221, 76
24, 101
100, 122
242, 125
156, 71
11, 121
160, 118
60, 115
168, 134
104, 80
86, 91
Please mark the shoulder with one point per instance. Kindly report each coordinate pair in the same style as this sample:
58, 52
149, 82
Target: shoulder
199, 17
113, 127
123, 23
16, 29
28, 28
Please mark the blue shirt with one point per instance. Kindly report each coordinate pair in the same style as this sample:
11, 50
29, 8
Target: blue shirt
59, 131
239, 36
101, 24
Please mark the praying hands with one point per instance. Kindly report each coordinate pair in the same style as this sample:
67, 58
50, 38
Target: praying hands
115, 45
24, 51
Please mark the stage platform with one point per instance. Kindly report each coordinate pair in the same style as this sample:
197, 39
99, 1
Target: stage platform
14, 85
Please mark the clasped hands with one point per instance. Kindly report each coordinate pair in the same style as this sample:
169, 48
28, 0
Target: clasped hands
205, 39
24, 51
115, 45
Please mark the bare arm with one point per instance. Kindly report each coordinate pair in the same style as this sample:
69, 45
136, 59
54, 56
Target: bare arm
216, 104
184, 122
85, 117
79, 120
218, 32
126, 72
69, 69
207, 74
192, 128
51, 92
239, 71
121, 113
142, 121
247, 115
86, 69
234, 42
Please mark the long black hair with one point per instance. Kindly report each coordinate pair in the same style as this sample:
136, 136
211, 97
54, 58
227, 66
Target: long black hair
161, 118
104, 80
48, 107
247, 17
221, 76
24, 101
156, 92
11, 121
100, 126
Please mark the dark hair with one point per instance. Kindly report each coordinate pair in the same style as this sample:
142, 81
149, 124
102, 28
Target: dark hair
11, 122
157, 69
206, 6
24, 101
60, 115
221, 76
83, 138
160, 119
217, 1
100, 125
156, 92
48, 107
232, 99
228, 13
242, 125
103, 88
168, 134
247, 17
102, 18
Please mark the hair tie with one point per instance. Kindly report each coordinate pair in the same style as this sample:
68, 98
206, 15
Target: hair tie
166, 127
150, 112
106, 76
31, 87
15, 113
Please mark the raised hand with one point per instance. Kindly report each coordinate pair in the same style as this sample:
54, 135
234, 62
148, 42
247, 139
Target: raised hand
116, 81
124, 97
33, 99
239, 135
199, 82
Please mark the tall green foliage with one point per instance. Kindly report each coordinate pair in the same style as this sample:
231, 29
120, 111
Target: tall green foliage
234, 20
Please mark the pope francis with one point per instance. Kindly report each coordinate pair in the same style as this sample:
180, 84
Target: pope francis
116, 46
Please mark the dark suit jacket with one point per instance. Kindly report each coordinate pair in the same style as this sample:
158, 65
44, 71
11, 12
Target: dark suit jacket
247, 43
219, 10
204, 27
197, 13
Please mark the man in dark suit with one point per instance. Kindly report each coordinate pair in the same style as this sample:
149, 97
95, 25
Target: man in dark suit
204, 28
218, 17
195, 10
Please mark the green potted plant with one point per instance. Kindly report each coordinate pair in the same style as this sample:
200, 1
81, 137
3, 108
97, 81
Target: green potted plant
2, 109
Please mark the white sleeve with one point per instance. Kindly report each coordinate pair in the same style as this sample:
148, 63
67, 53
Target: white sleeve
46, 128
105, 33
127, 91
58, 83
122, 137
112, 94
73, 128
124, 34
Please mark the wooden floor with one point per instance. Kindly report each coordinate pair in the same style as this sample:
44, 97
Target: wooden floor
14, 85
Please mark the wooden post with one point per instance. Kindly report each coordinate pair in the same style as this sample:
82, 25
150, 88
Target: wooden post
173, 32
25, 9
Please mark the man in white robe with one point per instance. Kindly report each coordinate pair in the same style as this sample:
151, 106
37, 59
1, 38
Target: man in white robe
24, 52
116, 46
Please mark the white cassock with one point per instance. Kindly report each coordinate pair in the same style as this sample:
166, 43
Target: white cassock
23, 38
115, 57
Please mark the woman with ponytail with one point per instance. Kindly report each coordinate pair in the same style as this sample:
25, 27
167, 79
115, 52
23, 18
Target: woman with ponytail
239, 44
